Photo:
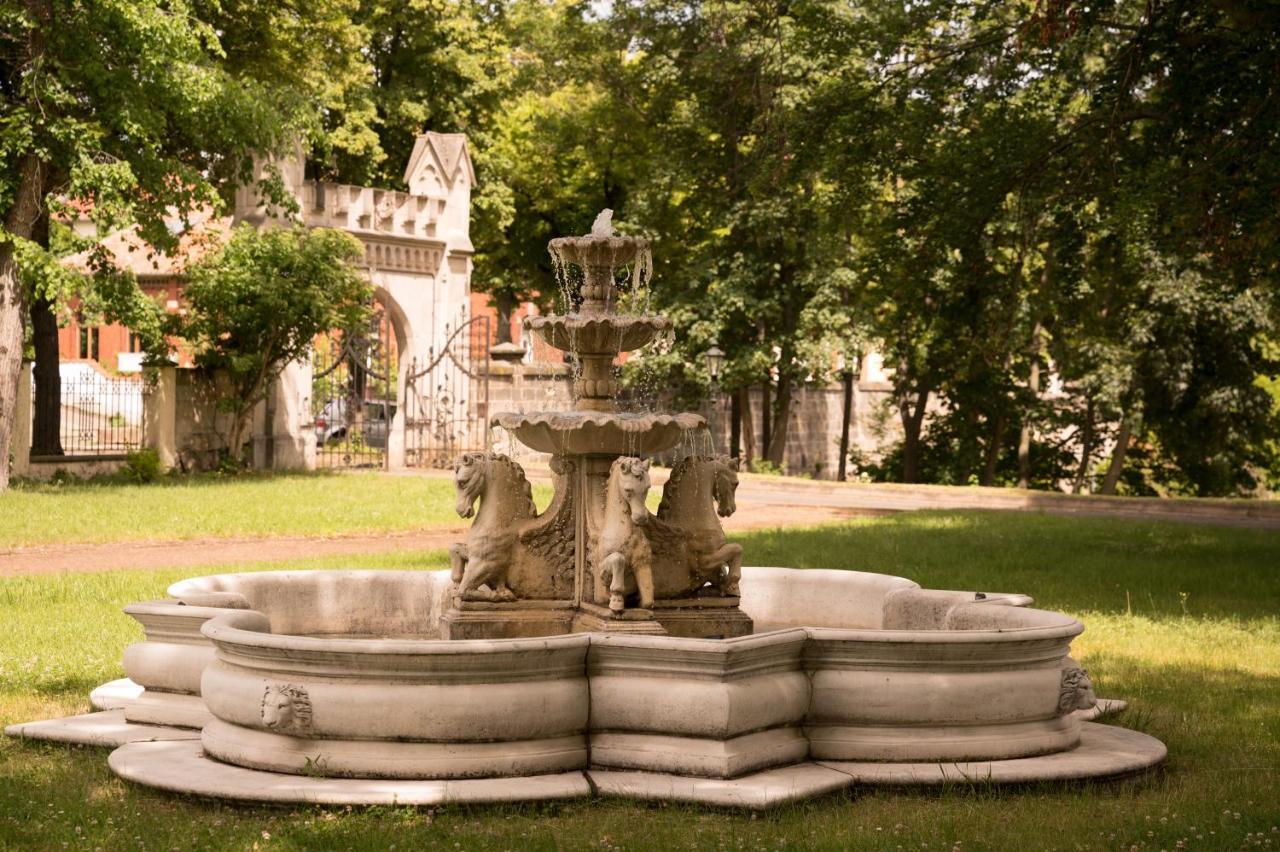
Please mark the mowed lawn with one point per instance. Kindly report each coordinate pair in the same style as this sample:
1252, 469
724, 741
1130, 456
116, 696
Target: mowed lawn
208, 506
1182, 621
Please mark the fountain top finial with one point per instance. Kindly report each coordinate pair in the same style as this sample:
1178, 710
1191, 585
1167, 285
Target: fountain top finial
603, 225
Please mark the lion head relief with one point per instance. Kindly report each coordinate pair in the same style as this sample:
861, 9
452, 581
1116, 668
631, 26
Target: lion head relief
1076, 692
286, 708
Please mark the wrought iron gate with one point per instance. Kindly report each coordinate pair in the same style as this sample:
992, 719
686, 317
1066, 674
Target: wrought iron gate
353, 394
447, 397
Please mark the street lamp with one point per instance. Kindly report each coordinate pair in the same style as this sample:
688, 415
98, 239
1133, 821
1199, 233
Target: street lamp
715, 361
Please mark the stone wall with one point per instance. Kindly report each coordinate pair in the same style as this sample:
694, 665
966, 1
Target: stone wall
186, 429
813, 439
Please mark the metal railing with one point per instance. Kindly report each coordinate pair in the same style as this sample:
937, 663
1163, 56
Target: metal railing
101, 415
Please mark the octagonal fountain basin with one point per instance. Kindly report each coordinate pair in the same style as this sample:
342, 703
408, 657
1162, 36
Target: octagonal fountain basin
339, 672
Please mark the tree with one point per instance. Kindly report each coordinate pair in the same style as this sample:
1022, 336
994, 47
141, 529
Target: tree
132, 108
259, 304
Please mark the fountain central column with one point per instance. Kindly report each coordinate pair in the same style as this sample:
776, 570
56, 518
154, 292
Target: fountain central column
616, 566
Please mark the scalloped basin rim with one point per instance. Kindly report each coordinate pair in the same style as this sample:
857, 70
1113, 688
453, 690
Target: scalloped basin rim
219, 630
250, 627
580, 320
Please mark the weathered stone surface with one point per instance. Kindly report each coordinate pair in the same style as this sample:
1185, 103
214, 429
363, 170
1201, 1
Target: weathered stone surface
756, 792
114, 694
183, 768
1105, 751
102, 728
709, 758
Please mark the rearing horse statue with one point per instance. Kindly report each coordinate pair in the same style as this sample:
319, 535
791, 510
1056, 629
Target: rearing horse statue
622, 560
688, 542
479, 567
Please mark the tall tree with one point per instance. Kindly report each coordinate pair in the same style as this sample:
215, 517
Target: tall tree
133, 109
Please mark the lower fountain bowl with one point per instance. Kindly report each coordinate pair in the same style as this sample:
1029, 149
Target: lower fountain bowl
601, 433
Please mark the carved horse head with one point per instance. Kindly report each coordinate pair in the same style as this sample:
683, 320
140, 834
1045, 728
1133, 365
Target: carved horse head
698, 486
469, 475
495, 480
724, 487
629, 480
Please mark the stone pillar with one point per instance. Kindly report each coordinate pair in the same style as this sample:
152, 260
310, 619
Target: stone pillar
20, 443
160, 416
395, 429
292, 429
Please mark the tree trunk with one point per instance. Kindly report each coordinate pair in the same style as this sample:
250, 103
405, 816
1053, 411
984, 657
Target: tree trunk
766, 415
46, 438
994, 445
748, 427
777, 451
842, 473
1086, 446
504, 303
20, 221
28, 203
1024, 439
912, 425
735, 426
1112, 479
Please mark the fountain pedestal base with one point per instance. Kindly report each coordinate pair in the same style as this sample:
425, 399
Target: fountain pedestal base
593, 618
703, 618
513, 620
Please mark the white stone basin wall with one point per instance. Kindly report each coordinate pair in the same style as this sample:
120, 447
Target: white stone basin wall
844, 665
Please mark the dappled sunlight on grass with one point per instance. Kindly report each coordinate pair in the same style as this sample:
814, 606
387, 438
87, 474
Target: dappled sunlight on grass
1195, 648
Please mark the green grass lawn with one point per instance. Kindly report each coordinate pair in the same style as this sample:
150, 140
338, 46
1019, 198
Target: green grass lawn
314, 504
1182, 620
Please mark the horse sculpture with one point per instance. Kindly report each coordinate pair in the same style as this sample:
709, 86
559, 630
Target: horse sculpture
480, 566
622, 559
688, 542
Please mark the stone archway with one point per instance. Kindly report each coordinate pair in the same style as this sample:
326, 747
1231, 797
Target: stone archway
417, 255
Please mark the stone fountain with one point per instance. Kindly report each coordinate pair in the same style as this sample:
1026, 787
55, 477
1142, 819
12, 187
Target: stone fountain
596, 559
595, 649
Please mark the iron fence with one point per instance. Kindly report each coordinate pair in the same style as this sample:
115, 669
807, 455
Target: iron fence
101, 415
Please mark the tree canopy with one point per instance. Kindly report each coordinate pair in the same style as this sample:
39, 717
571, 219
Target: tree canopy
1057, 221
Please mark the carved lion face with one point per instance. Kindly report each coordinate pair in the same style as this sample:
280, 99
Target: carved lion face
286, 707
1076, 692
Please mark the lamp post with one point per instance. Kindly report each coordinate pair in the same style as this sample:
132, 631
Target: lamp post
715, 360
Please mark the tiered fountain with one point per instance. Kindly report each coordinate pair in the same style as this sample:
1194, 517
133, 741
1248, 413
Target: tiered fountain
594, 649
596, 560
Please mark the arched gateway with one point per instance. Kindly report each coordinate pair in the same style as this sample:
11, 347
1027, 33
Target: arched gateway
408, 390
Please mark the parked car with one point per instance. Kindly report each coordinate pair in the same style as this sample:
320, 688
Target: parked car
332, 423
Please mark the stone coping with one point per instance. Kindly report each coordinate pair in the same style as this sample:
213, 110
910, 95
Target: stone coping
247, 600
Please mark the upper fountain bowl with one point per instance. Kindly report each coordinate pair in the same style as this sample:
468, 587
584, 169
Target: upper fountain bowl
594, 251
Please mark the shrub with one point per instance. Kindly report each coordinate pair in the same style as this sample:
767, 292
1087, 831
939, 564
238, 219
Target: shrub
142, 466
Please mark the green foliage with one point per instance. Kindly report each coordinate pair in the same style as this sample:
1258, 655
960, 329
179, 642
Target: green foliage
261, 301
765, 467
142, 466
